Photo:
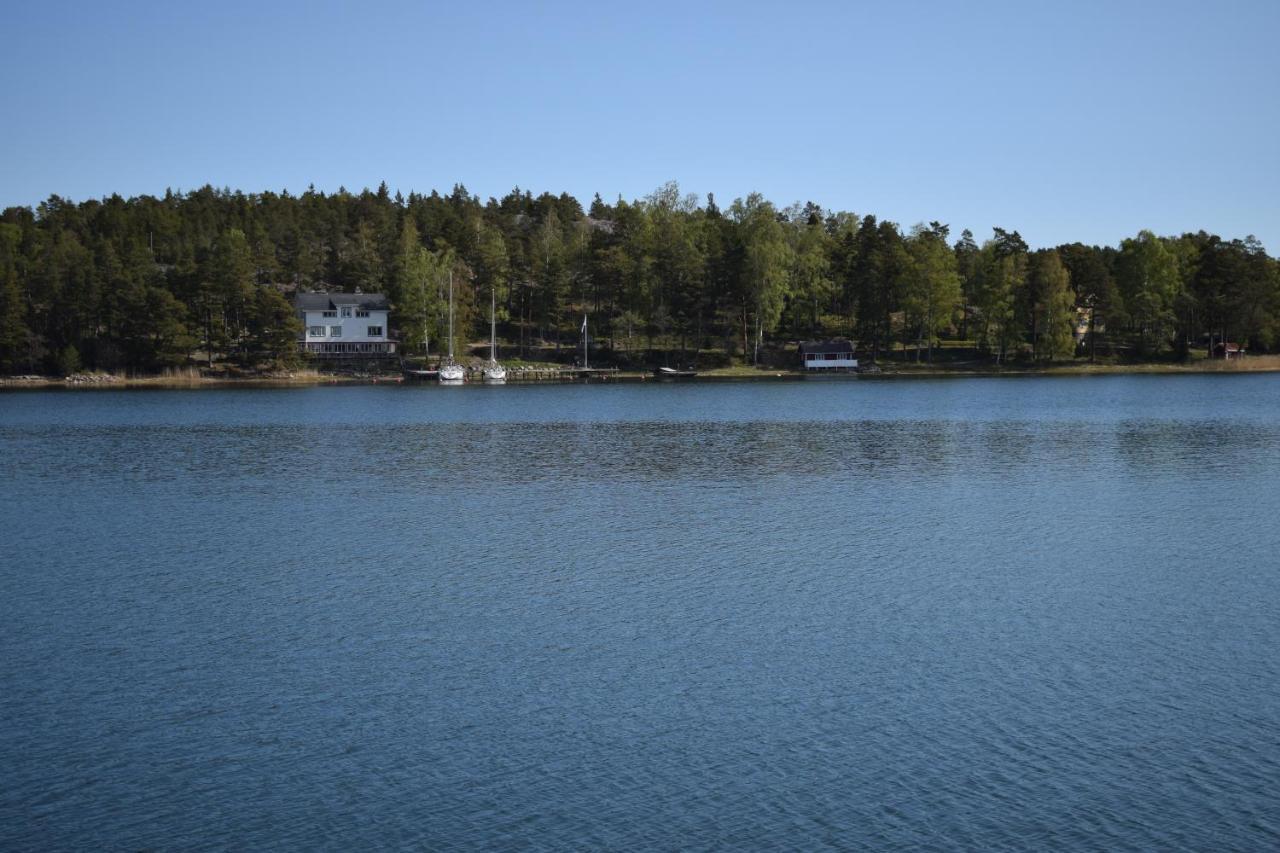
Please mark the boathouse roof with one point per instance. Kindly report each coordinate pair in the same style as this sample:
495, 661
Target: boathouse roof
822, 347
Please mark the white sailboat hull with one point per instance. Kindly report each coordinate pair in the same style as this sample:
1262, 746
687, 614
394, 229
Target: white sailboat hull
495, 374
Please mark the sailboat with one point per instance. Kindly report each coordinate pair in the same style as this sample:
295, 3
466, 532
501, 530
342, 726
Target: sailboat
451, 373
494, 373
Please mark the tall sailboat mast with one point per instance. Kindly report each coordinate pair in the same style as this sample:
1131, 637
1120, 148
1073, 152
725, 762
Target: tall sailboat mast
494, 373
451, 373
451, 315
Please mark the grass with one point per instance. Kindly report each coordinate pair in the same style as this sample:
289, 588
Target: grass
746, 371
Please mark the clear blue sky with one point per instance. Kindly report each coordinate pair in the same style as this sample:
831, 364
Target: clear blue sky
1081, 121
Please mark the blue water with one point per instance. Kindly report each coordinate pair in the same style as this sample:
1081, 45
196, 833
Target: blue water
967, 614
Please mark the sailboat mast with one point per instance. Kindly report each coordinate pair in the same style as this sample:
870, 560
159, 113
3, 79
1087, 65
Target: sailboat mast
493, 325
450, 316
426, 323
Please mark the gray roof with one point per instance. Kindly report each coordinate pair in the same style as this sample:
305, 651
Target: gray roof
825, 346
331, 301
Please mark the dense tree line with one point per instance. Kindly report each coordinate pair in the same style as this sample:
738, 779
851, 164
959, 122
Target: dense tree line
148, 283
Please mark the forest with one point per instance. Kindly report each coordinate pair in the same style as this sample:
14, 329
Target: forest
206, 277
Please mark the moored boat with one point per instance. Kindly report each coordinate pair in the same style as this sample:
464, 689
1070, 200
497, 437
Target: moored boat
493, 373
451, 373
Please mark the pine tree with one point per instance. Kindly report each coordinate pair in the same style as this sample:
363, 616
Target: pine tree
14, 334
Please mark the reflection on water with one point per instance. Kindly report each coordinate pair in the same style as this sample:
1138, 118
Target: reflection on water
978, 614
404, 455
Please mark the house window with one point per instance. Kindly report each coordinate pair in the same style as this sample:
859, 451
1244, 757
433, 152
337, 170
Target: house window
335, 331
346, 312
328, 313
362, 313
375, 331
316, 331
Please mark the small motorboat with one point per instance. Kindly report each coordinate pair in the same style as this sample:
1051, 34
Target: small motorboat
673, 373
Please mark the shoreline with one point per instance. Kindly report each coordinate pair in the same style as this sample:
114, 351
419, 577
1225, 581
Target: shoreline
304, 379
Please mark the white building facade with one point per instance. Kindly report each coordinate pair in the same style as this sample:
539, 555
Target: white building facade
345, 325
828, 355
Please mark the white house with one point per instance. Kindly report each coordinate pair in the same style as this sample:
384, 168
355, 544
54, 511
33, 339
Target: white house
828, 355
344, 325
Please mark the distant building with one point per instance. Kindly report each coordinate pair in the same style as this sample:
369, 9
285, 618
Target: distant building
1083, 317
1228, 350
827, 355
1084, 320
345, 325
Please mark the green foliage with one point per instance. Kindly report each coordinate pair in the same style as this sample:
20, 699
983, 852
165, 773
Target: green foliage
876, 272
68, 361
1002, 275
1089, 270
931, 293
147, 283
416, 294
813, 287
1147, 274
765, 272
1054, 308
967, 266
274, 328
14, 334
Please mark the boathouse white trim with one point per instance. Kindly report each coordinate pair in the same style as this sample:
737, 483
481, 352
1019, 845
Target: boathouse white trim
827, 355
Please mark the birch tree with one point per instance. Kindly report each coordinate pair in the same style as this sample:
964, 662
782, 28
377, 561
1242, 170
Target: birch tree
931, 293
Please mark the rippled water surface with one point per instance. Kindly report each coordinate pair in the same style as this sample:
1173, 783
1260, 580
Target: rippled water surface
982, 614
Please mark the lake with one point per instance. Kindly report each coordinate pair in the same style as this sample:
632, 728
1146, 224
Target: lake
983, 614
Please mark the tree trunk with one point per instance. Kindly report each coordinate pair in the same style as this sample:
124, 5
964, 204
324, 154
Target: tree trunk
1093, 335
208, 336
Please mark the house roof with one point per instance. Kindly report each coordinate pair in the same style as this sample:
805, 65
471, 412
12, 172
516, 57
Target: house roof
331, 301
820, 347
